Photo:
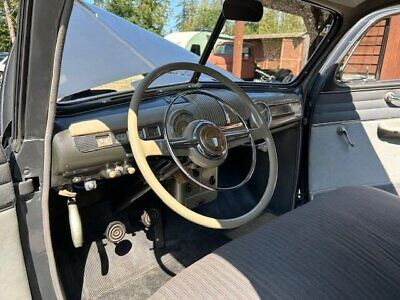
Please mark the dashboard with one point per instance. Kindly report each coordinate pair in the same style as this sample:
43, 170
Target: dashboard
93, 144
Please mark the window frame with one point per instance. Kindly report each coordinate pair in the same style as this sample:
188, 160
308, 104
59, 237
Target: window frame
365, 84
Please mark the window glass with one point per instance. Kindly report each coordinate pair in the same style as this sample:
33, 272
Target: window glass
278, 47
376, 56
112, 44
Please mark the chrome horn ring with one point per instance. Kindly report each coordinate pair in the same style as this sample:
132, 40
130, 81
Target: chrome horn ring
200, 143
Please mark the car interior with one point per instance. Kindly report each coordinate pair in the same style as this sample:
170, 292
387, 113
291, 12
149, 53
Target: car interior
196, 184
115, 237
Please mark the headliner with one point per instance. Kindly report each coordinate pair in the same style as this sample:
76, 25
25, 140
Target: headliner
356, 6
352, 10
349, 3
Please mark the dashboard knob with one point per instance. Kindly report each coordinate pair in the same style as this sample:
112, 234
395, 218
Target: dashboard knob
130, 170
119, 170
111, 173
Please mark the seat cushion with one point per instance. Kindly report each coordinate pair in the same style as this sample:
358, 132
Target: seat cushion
344, 244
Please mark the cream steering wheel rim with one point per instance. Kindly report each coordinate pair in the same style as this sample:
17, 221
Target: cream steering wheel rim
141, 147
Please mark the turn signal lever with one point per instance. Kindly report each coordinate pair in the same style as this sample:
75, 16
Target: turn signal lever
342, 131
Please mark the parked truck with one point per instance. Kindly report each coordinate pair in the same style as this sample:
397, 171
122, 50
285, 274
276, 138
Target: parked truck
222, 57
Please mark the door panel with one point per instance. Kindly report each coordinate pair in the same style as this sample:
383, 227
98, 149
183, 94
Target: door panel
353, 106
372, 161
13, 277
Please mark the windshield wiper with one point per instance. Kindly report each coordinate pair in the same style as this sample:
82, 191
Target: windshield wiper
210, 45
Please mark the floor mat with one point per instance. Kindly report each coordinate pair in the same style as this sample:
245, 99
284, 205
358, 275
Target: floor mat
110, 267
132, 269
141, 288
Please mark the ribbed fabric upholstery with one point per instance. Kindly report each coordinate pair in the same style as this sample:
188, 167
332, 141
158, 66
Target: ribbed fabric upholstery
345, 244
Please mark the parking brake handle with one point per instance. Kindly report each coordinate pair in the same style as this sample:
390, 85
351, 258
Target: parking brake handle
342, 131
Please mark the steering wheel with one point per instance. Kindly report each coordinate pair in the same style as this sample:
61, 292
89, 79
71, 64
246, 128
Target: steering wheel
203, 142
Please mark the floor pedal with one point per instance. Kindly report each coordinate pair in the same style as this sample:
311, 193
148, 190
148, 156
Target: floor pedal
115, 232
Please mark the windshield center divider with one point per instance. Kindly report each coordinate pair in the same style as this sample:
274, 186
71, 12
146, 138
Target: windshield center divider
210, 45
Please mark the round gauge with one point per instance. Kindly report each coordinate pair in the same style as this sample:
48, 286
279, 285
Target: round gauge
180, 122
264, 111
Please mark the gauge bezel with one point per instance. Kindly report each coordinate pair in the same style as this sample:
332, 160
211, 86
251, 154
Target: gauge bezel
268, 111
174, 118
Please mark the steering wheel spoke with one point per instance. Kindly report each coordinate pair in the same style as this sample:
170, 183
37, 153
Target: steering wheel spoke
183, 143
237, 137
259, 133
154, 147
159, 147
241, 136
182, 146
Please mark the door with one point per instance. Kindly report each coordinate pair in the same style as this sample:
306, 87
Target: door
355, 131
25, 245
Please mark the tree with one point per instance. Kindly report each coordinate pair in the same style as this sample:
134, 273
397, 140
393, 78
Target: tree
149, 14
8, 17
10, 21
312, 17
5, 42
200, 15
153, 14
186, 17
275, 21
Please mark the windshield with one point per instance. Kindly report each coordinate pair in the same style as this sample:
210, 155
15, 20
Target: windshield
106, 53
3, 56
112, 44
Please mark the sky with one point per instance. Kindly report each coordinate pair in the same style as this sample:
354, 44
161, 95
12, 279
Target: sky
171, 23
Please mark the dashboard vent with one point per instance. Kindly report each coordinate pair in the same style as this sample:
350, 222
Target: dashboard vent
86, 143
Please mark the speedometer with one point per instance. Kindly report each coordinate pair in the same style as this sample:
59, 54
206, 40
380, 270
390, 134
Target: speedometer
180, 122
264, 111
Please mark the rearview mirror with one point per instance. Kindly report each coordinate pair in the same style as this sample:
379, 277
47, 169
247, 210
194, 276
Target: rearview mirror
243, 10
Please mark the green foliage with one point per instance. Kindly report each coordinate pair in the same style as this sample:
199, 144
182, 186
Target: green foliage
149, 14
275, 21
200, 15
195, 15
5, 42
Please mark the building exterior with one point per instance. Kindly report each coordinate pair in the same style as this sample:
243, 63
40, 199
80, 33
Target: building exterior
279, 50
377, 55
